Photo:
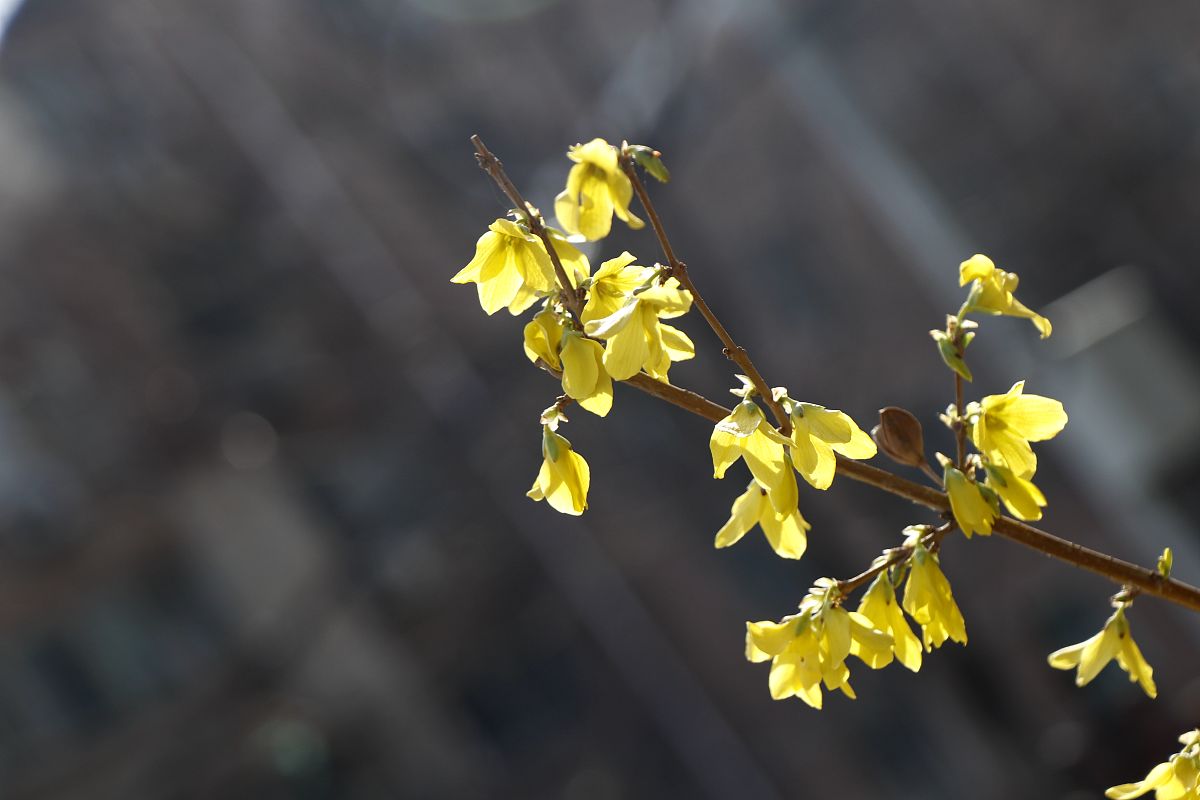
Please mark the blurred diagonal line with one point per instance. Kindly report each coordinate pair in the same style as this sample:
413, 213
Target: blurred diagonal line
910, 213
311, 194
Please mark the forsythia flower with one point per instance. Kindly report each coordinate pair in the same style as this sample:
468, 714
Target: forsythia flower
1177, 779
1003, 425
747, 435
818, 433
583, 375
612, 284
636, 339
543, 336
972, 511
512, 269
811, 647
928, 600
880, 607
993, 292
596, 187
1114, 641
564, 477
1020, 496
579, 359
785, 531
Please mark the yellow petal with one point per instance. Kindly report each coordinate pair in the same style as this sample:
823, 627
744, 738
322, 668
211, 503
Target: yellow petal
676, 343
595, 206
772, 637
542, 336
1133, 662
601, 400
485, 249
1096, 653
870, 645
1161, 775
971, 511
743, 517
1036, 418
499, 280
977, 267
787, 533
566, 209
811, 456
580, 369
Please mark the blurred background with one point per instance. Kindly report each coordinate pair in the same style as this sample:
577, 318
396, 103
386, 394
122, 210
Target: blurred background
263, 531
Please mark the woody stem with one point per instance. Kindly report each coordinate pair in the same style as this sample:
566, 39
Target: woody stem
572, 296
733, 351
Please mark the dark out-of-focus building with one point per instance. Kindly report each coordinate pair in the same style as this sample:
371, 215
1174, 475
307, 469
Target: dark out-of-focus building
262, 525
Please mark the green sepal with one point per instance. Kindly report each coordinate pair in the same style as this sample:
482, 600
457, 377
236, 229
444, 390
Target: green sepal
550, 447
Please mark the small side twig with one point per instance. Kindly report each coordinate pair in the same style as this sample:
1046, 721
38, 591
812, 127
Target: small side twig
572, 296
679, 270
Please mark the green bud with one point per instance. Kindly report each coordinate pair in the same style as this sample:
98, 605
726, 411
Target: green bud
950, 354
1165, 561
650, 160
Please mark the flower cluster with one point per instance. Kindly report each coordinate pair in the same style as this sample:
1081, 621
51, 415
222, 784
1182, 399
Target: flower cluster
810, 648
1000, 427
1178, 778
598, 328
774, 459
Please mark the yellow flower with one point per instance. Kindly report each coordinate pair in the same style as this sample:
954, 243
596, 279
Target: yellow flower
1113, 641
972, 511
580, 360
635, 337
512, 269
879, 605
810, 648
1177, 779
785, 531
818, 433
543, 335
564, 477
612, 284
596, 187
583, 375
929, 601
747, 435
1003, 425
1023, 499
993, 292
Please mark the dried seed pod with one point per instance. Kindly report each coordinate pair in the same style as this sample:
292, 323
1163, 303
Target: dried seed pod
899, 435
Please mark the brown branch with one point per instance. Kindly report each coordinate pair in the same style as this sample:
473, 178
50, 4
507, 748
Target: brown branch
894, 557
960, 425
733, 351
572, 296
1116, 570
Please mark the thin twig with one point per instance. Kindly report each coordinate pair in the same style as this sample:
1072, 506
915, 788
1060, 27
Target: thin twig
960, 425
894, 556
931, 474
736, 353
572, 296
